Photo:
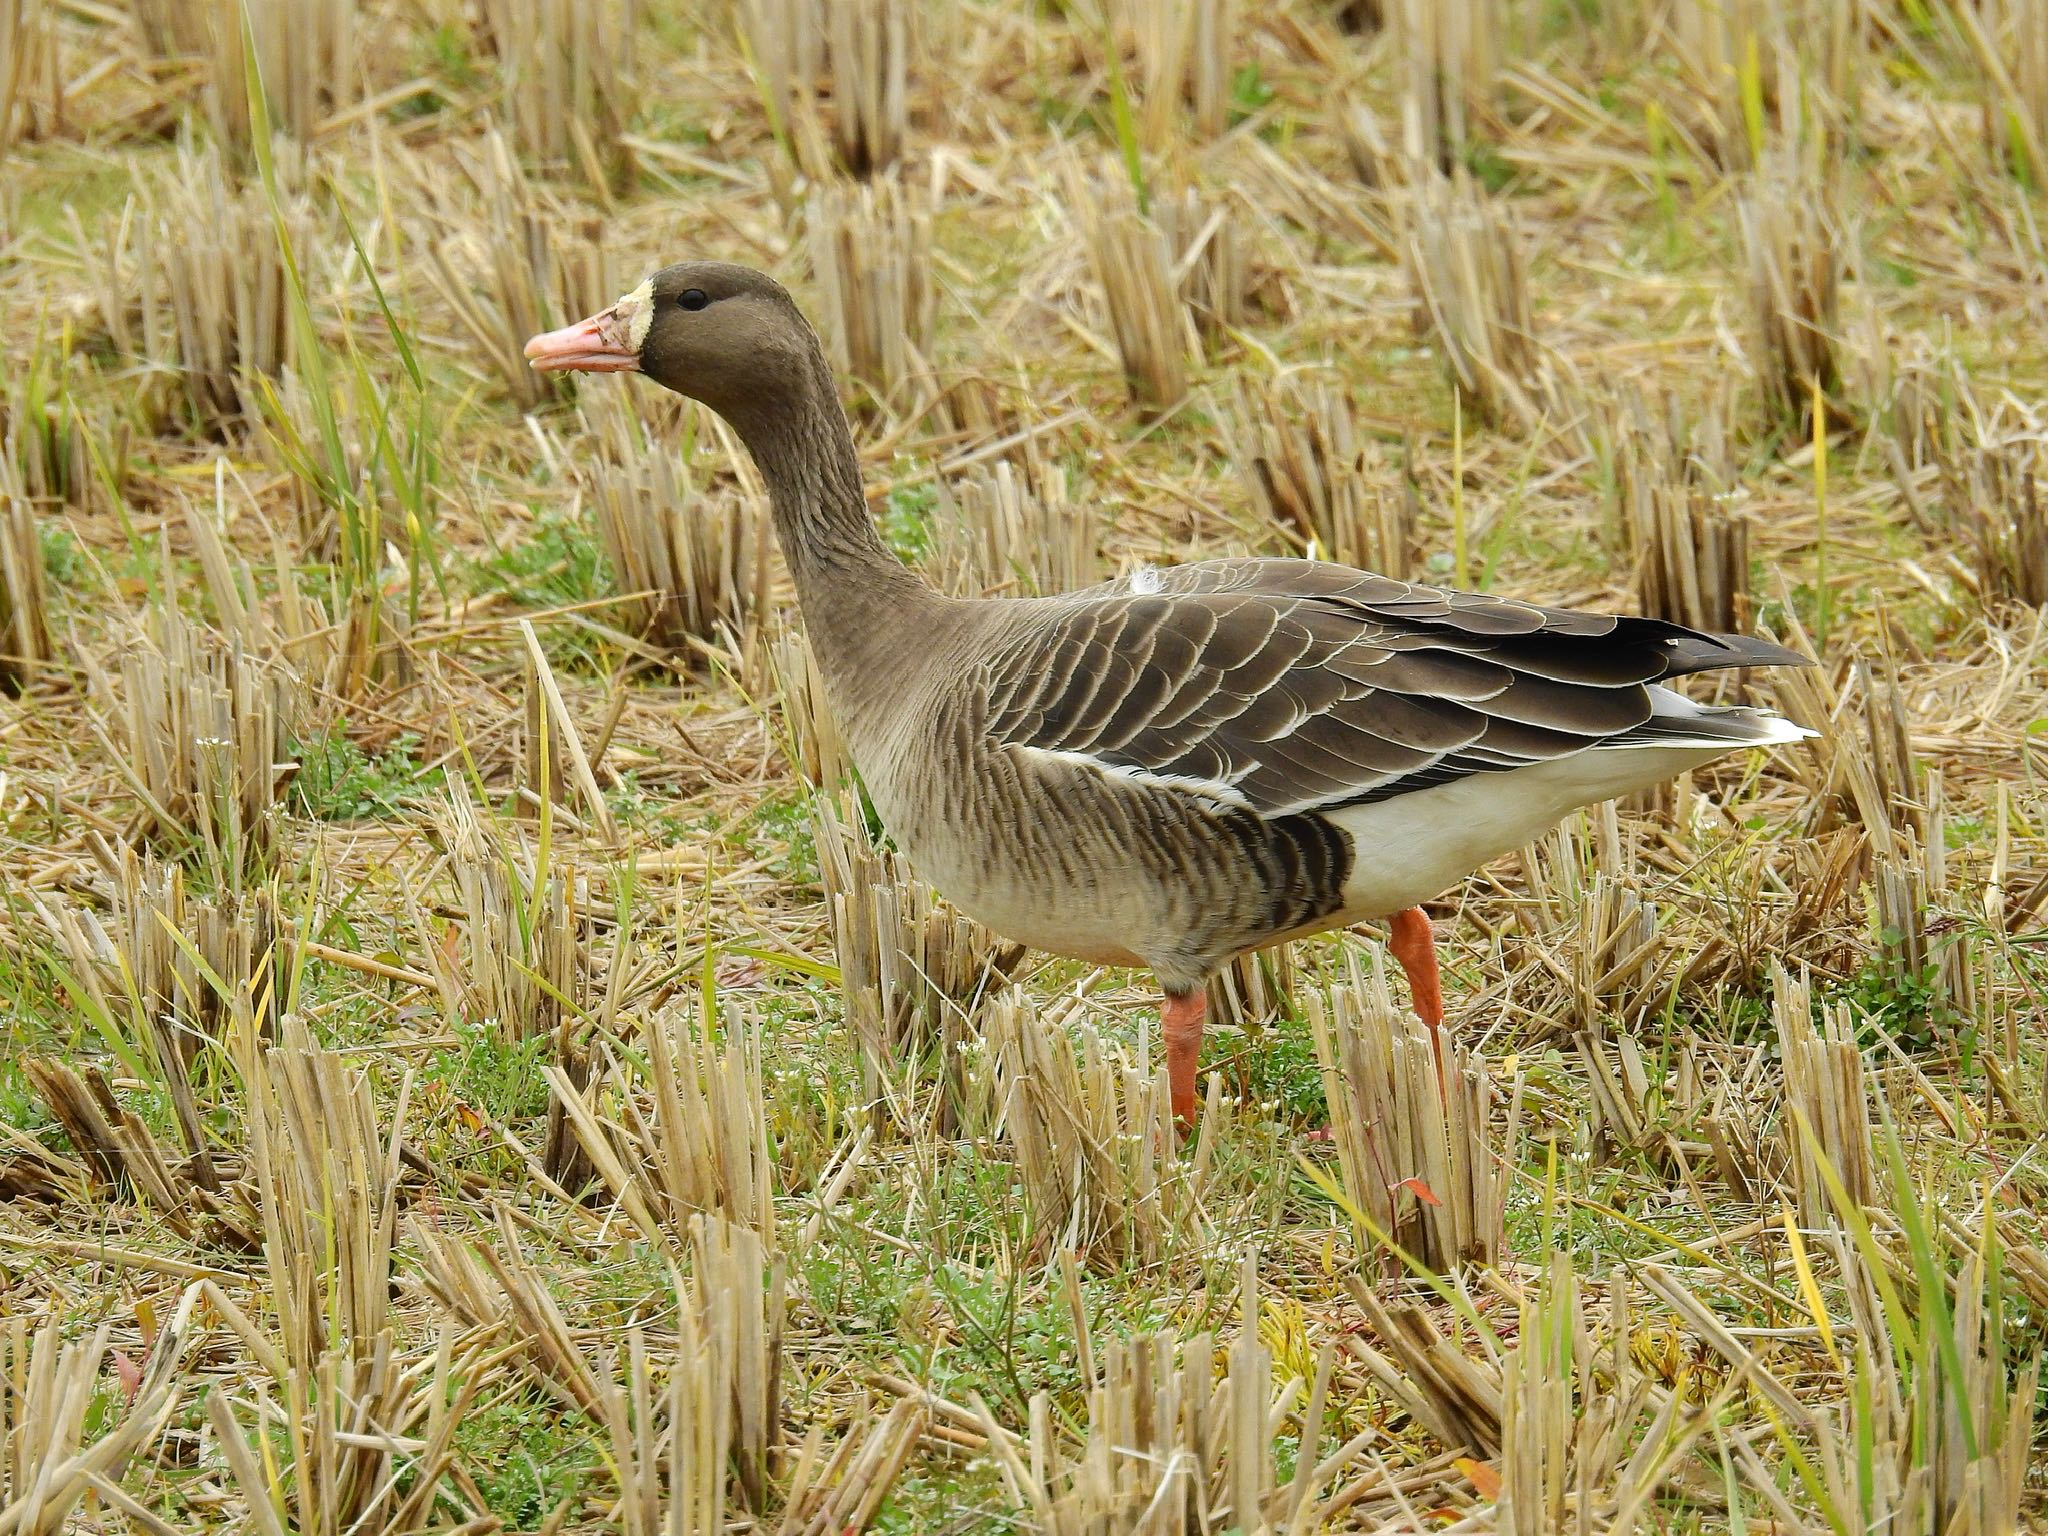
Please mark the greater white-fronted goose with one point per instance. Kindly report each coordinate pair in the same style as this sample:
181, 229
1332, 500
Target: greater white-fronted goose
1178, 766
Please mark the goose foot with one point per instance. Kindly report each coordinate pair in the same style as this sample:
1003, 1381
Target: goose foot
1180, 1026
1413, 943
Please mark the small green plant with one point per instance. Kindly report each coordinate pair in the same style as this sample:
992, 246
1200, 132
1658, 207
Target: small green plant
64, 560
780, 829
1908, 1008
1277, 1066
338, 781
1488, 165
553, 561
1249, 92
649, 809
531, 1459
20, 1107
907, 520
490, 1074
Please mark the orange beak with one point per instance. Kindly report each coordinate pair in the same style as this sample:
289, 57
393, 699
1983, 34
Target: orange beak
596, 345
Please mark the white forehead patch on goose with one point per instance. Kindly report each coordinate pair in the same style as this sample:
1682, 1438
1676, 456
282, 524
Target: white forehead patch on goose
632, 315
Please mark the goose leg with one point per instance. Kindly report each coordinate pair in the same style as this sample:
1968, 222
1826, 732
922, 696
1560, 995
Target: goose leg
1413, 943
1180, 1026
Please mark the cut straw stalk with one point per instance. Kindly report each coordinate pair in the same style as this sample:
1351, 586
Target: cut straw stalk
1169, 278
59, 1448
1435, 1379
815, 747
31, 88
1468, 276
215, 306
179, 969
1451, 79
1828, 1089
1575, 1454
55, 447
1092, 1133
1561, 1411
327, 1182
1154, 335
1920, 946
522, 960
719, 1419
568, 76
25, 645
1936, 1431
520, 957
322, 646
871, 43
1673, 481
307, 55
1760, 74
125, 1156
1994, 495
1169, 1448
855, 54
200, 731
695, 566
1374, 160
2009, 43
912, 969
844, 1491
506, 285
784, 42
996, 534
676, 1451
871, 254
1419, 1143
690, 1135
1313, 473
1597, 933
1860, 767
1692, 560
1185, 55
1212, 259
1794, 267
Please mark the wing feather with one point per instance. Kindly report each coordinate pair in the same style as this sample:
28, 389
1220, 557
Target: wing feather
1291, 685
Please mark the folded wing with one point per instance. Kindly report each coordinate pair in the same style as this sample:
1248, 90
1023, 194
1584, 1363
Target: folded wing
1288, 686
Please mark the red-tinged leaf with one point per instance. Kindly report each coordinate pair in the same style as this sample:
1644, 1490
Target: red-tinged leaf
736, 973
1420, 1191
129, 1372
1481, 1475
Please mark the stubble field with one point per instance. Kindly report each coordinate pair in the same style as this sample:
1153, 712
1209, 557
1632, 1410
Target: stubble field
471, 1062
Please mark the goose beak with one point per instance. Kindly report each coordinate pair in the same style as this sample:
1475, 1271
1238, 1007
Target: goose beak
600, 344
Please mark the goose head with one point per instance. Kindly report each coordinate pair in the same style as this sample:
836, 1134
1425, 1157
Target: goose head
723, 334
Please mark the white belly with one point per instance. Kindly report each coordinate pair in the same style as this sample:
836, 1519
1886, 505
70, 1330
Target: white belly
1081, 921
1415, 847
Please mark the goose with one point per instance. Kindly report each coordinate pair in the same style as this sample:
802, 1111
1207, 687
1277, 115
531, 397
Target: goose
1181, 765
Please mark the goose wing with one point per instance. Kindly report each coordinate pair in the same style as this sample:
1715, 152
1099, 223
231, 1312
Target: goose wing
1293, 686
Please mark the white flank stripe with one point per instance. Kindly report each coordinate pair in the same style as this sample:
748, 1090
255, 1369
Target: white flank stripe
1207, 789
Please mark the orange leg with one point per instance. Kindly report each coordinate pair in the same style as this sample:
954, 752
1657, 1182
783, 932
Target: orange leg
1413, 942
1180, 1025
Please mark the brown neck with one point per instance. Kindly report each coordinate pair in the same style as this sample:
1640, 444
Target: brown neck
852, 589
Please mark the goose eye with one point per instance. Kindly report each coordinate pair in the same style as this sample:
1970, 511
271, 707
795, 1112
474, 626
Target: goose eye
693, 298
